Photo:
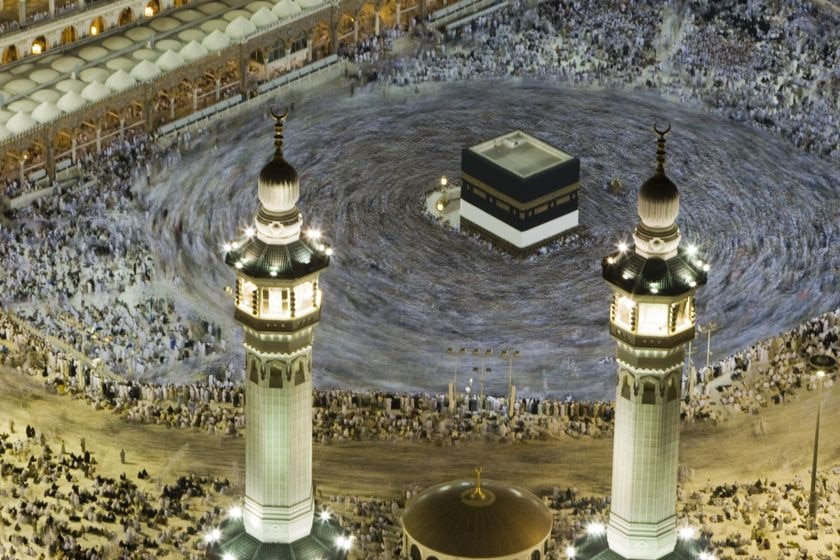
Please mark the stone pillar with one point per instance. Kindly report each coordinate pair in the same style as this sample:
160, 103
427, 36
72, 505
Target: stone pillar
81, 4
98, 139
399, 13
195, 98
49, 154
243, 72
218, 88
122, 128
376, 25
52, 8
356, 29
22, 12
423, 10
73, 157
309, 51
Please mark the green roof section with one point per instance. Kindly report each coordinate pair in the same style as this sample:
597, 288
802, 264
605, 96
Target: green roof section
258, 259
638, 275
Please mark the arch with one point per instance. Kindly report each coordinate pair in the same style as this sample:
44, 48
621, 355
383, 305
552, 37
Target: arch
152, 8
179, 3
257, 57
126, 16
536, 555
275, 380
415, 553
672, 389
321, 39
39, 44
10, 54
68, 35
97, 26
253, 374
625, 389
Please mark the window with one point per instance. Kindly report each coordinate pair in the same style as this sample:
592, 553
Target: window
304, 298
624, 310
246, 291
649, 394
535, 555
653, 318
681, 315
415, 553
275, 303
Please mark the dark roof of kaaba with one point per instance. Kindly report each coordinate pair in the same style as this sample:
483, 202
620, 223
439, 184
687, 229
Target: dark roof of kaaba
319, 544
638, 275
261, 260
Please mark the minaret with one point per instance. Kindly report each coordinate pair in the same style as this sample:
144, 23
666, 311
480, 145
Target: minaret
651, 319
278, 303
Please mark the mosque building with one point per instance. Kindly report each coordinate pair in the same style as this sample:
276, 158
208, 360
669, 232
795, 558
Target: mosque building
278, 303
518, 191
652, 317
476, 519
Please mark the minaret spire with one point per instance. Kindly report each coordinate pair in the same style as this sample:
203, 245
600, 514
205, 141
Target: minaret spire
279, 121
660, 149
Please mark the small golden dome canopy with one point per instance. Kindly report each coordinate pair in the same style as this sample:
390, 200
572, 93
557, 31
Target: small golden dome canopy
484, 519
279, 188
659, 199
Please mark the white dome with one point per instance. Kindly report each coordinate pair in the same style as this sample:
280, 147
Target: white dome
286, 8
21, 122
170, 61
95, 91
193, 51
216, 41
70, 101
145, 71
239, 28
263, 18
120, 80
46, 112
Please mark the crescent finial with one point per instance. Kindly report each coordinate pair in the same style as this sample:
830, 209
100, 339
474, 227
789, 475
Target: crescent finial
661, 132
280, 117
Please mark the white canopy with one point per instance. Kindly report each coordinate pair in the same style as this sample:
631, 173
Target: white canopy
120, 80
239, 28
170, 61
45, 112
21, 122
286, 8
263, 18
306, 4
193, 51
70, 102
95, 91
216, 41
145, 71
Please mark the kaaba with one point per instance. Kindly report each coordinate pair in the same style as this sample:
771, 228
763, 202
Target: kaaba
518, 191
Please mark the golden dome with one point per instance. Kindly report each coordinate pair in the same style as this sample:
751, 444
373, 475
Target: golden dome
453, 519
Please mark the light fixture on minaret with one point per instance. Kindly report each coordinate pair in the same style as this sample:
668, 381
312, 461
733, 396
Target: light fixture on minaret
278, 304
653, 283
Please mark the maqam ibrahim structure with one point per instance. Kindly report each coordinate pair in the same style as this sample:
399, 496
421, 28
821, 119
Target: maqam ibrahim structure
652, 317
278, 304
